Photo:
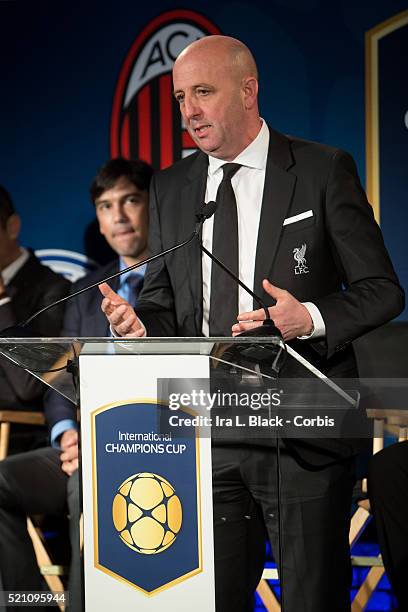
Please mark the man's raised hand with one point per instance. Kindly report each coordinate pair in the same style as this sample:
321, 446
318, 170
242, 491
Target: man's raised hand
120, 314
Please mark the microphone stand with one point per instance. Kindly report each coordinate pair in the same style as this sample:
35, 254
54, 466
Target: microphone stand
22, 329
267, 328
268, 319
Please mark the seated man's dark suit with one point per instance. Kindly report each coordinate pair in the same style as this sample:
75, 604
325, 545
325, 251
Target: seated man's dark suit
351, 280
33, 482
83, 318
33, 287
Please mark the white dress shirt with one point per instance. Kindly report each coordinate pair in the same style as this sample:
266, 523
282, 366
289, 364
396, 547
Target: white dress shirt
11, 270
248, 185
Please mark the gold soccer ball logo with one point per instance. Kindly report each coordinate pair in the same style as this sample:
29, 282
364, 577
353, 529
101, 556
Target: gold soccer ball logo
147, 513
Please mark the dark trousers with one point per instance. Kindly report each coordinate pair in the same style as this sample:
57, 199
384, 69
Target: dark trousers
315, 506
388, 490
33, 483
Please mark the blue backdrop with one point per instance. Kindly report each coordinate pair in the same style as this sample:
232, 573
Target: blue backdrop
61, 63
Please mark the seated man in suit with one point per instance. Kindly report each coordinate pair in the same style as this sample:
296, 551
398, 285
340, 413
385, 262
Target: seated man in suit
25, 286
43, 481
293, 222
388, 491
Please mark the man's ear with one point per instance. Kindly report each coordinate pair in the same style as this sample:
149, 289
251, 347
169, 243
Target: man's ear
13, 226
249, 88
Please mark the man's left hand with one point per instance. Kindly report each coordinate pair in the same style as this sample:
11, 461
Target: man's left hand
69, 454
290, 316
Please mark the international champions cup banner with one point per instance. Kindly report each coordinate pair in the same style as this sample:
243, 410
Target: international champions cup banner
146, 497
147, 502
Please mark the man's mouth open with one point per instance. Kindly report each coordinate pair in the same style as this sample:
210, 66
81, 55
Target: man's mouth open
201, 131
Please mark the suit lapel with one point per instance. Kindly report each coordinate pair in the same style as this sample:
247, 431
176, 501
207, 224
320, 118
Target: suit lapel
192, 200
98, 323
277, 195
23, 288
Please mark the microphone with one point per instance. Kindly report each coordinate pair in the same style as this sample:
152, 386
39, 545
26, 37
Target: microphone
207, 211
24, 330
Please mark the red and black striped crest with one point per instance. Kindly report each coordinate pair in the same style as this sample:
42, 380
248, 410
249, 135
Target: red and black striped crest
146, 121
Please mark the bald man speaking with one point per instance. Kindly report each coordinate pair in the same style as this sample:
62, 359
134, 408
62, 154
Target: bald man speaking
295, 224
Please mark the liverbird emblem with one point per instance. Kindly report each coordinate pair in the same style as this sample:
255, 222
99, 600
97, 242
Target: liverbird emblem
299, 256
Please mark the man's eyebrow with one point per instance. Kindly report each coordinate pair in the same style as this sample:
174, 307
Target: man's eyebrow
206, 85
97, 202
137, 193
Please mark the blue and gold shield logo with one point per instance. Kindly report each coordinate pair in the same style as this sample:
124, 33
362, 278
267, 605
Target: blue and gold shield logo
146, 497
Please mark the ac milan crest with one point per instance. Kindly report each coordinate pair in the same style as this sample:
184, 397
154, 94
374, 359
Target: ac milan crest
146, 121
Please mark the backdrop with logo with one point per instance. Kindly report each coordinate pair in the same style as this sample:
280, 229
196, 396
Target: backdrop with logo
82, 83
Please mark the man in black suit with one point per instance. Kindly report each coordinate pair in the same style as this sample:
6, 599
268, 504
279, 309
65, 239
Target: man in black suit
303, 221
25, 286
388, 491
44, 481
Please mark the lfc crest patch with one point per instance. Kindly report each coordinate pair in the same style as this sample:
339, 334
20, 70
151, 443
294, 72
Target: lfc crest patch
299, 256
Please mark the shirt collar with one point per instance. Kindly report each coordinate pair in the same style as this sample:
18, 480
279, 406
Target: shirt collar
253, 156
11, 270
139, 271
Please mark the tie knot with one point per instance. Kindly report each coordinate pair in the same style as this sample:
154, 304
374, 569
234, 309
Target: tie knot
229, 170
134, 281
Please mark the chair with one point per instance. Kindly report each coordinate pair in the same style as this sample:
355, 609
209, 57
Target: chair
7, 417
396, 422
50, 571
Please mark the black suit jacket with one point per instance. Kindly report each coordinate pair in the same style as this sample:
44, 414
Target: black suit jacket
350, 277
33, 287
83, 317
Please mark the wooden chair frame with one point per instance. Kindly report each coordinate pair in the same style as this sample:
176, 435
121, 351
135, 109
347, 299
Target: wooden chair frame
50, 571
397, 421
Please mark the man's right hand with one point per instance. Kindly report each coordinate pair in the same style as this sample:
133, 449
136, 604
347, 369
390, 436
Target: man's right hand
120, 314
2, 284
69, 454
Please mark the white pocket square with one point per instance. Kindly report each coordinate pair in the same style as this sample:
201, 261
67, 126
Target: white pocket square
299, 217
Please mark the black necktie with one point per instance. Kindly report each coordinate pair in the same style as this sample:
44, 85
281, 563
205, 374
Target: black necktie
224, 290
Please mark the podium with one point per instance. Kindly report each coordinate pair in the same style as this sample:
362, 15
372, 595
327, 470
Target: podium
148, 419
